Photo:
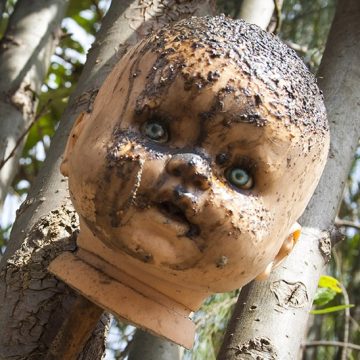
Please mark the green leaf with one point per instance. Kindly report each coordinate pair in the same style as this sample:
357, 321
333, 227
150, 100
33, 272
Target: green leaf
44, 126
331, 309
76, 6
330, 282
324, 296
87, 25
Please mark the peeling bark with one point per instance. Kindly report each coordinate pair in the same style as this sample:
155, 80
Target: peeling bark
28, 330
339, 78
25, 50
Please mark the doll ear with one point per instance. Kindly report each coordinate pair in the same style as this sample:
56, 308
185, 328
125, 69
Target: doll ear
73, 137
284, 251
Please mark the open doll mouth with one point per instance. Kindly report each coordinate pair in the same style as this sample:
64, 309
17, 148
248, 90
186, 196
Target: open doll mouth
175, 213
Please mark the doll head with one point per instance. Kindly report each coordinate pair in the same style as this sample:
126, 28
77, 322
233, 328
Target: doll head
205, 145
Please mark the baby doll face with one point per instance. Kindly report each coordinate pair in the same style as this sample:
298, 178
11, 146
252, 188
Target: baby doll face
191, 168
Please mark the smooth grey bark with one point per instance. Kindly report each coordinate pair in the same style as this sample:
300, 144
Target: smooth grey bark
270, 317
149, 347
258, 12
25, 50
34, 304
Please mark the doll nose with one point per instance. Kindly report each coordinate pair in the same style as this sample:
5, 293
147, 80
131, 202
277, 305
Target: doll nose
192, 168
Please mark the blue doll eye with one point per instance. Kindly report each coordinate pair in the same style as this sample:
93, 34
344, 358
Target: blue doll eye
240, 178
155, 131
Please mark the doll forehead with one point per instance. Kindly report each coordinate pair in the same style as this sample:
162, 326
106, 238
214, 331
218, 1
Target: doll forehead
229, 120
206, 93
158, 66
206, 90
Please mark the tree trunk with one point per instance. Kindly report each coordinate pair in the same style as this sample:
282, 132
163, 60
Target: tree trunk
25, 51
149, 347
270, 317
258, 12
34, 305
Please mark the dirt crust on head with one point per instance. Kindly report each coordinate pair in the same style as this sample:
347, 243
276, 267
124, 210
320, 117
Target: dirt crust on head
260, 56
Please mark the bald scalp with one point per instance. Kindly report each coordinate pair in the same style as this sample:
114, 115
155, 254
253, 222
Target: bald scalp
258, 55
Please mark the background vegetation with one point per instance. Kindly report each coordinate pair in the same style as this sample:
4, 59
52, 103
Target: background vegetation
303, 25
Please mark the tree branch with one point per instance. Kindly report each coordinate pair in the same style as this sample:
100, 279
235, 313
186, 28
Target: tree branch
22, 136
25, 51
346, 322
346, 223
257, 12
297, 47
331, 343
278, 6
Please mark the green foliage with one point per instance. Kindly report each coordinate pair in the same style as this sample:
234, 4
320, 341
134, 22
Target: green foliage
211, 321
328, 288
9, 8
329, 282
324, 296
305, 25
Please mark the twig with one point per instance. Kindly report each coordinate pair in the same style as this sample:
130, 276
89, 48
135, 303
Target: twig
346, 323
277, 4
332, 343
297, 47
342, 222
21, 137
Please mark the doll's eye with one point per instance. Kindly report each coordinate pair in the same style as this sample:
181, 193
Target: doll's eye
240, 178
155, 131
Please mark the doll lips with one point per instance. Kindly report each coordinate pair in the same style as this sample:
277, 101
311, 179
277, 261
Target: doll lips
175, 213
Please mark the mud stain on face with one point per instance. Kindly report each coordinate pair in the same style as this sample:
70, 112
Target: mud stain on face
124, 168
